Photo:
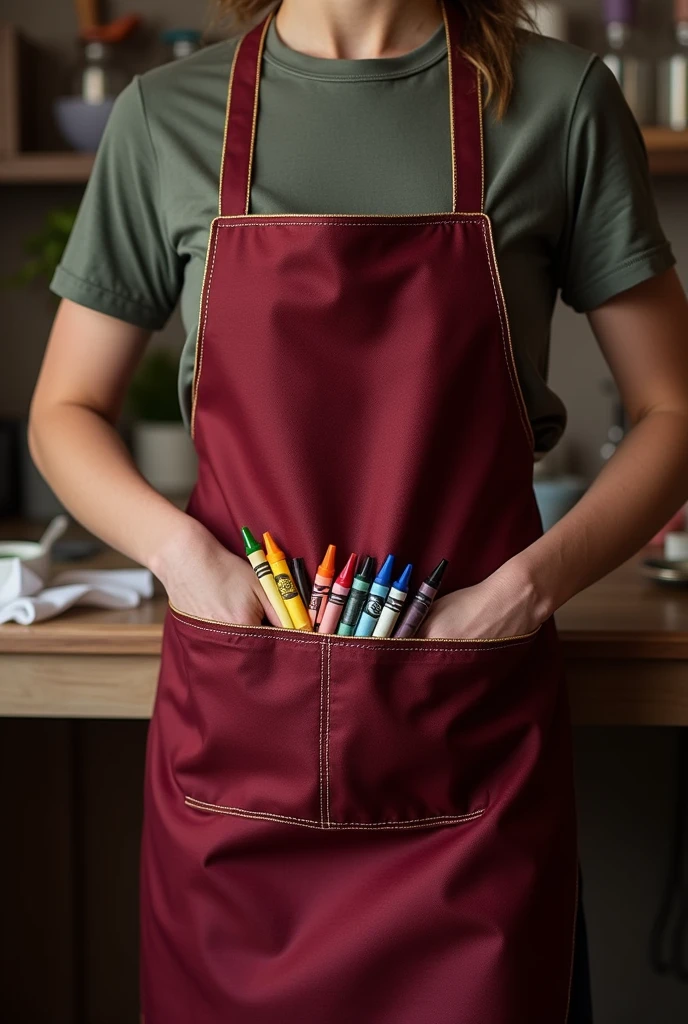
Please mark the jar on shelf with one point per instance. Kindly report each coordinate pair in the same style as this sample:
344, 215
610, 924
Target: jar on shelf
672, 76
98, 76
96, 82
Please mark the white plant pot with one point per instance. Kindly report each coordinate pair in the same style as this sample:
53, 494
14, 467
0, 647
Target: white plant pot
165, 455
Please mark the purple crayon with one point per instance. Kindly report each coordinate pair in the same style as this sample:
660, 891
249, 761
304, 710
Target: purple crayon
420, 605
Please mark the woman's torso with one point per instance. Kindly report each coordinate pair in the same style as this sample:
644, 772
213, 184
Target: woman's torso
565, 196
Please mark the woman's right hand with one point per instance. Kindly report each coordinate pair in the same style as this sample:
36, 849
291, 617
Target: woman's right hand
206, 580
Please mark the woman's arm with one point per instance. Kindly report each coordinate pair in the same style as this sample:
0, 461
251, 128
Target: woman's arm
78, 398
643, 334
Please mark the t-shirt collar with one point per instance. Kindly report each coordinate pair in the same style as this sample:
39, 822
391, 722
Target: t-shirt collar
430, 52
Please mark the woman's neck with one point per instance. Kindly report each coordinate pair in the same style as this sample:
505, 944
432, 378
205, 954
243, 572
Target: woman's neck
357, 29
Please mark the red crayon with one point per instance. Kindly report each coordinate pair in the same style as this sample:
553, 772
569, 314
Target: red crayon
338, 596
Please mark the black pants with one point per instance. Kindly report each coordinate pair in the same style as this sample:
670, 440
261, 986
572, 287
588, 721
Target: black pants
580, 1008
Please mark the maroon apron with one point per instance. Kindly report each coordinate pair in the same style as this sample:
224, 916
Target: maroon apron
353, 829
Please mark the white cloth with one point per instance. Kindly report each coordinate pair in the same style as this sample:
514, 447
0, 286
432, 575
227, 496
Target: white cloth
24, 598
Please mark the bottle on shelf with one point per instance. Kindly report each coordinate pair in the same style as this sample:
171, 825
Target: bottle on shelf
672, 76
632, 69
99, 77
182, 41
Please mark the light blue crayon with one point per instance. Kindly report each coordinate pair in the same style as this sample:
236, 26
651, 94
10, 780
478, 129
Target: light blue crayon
376, 599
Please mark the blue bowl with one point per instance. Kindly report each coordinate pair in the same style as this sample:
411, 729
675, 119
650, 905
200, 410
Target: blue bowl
556, 497
82, 124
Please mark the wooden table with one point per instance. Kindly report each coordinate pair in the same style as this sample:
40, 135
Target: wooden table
625, 641
626, 645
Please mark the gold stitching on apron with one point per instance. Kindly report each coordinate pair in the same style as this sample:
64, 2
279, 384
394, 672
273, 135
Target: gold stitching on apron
504, 320
224, 135
241, 812
482, 141
320, 745
327, 218
379, 643
202, 318
340, 220
450, 75
573, 949
327, 735
255, 110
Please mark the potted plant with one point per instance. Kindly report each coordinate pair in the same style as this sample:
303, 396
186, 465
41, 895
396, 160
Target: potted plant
162, 448
44, 249
42, 252
161, 445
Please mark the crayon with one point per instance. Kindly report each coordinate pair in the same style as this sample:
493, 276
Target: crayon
394, 603
422, 599
357, 598
286, 585
375, 601
338, 596
303, 584
322, 585
261, 568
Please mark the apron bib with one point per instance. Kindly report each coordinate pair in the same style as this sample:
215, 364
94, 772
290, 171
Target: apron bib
342, 829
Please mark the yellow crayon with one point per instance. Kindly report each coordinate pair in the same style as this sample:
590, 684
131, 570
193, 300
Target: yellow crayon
287, 587
256, 557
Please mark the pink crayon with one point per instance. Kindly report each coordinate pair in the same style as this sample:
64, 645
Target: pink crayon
338, 596
322, 585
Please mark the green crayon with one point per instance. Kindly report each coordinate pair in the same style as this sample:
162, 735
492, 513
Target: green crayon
357, 598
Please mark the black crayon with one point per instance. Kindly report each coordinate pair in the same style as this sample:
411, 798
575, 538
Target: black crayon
303, 584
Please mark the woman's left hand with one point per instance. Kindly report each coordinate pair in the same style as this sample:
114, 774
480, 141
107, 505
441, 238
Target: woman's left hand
501, 606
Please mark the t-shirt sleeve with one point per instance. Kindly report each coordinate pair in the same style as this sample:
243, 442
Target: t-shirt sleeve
119, 259
613, 238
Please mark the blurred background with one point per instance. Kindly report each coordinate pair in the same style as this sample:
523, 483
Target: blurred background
72, 958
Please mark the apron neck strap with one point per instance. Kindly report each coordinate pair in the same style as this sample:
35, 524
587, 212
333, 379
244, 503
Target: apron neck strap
465, 120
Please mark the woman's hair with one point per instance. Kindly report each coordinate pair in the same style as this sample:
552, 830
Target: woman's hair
490, 37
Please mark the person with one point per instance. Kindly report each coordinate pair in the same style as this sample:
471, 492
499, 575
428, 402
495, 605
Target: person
335, 828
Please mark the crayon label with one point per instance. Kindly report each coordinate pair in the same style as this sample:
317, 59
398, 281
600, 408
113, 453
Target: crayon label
354, 607
285, 586
374, 606
319, 591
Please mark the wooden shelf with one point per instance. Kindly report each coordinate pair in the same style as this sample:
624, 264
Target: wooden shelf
46, 168
667, 150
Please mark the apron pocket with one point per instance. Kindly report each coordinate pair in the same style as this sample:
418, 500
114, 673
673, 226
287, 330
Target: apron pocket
342, 733
249, 739
423, 733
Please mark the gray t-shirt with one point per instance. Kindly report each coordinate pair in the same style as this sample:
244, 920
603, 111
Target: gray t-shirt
568, 187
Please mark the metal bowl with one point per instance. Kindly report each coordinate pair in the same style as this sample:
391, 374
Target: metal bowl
664, 571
